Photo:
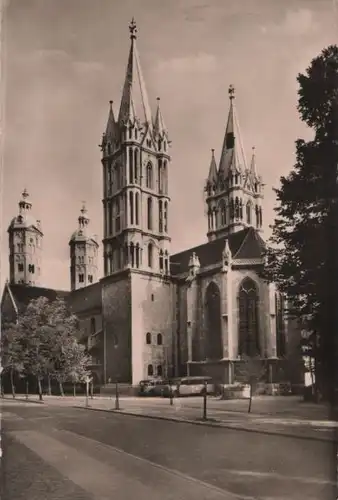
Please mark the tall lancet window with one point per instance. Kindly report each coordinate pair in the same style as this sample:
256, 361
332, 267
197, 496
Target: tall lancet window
160, 176
165, 178
165, 217
150, 213
222, 213
131, 166
136, 166
248, 212
131, 207
213, 339
257, 215
160, 216
150, 255
137, 209
248, 327
149, 176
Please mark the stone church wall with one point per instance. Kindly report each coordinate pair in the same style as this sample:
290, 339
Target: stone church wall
153, 311
116, 310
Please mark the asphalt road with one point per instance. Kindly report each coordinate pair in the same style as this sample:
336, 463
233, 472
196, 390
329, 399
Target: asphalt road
68, 453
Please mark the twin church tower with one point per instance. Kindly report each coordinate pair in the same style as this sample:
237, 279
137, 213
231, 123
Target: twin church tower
136, 166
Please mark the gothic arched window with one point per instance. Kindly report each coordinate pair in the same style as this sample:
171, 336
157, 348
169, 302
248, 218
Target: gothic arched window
248, 212
237, 208
248, 327
232, 209
131, 166
131, 207
222, 212
92, 326
149, 176
137, 255
160, 216
160, 176
150, 255
161, 260
150, 370
150, 213
165, 178
165, 217
137, 208
257, 215
159, 339
136, 167
132, 254
214, 343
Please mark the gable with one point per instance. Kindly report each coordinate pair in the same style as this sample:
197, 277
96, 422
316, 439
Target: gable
8, 308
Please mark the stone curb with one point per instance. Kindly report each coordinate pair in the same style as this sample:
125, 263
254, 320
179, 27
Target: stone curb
23, 400
218, 425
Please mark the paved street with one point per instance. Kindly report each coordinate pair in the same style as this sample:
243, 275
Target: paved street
53, 451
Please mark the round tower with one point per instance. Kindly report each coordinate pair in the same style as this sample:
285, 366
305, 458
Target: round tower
83, 254
25, 245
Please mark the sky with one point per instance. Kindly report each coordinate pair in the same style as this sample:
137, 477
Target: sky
63, 60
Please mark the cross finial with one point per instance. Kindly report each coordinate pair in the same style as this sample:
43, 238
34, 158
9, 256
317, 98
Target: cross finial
132, 29
111, 104
25, 194
231, 92
83, 209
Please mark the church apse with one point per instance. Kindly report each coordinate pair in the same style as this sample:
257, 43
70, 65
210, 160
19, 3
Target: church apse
213, 338
248, 322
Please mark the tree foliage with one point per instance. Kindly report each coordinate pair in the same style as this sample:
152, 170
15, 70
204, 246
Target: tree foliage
302, 257
44, 343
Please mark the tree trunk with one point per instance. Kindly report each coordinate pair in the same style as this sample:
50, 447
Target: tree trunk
61, 388
250, 399
12, 383
74, 390
49, 385
40, 389
27, 388
91, 390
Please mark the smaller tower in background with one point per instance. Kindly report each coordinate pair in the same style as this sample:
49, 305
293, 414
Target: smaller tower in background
25, 245
83, 254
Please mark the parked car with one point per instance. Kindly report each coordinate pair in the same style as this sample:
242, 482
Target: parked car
152, 387
190, 386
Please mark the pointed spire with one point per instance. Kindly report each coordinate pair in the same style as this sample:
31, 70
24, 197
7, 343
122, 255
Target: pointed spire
212, 177
232, 157
110, 129
134, 103
159, 126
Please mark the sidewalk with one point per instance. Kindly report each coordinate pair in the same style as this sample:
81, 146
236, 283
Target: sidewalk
270, 416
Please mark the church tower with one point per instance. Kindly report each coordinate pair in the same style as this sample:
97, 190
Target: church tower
83, 254
135, 163
25, 245
234, 189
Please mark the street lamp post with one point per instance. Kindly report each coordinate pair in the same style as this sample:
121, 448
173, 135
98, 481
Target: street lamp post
205, 392
117, 399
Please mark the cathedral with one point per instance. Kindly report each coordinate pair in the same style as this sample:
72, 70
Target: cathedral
153, 313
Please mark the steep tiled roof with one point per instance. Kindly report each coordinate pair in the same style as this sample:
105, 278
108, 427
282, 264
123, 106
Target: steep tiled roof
23, 294
243, 244
86, 298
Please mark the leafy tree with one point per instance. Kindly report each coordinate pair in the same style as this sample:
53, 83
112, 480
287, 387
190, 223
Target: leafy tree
44, 344
12, 352
302, 258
